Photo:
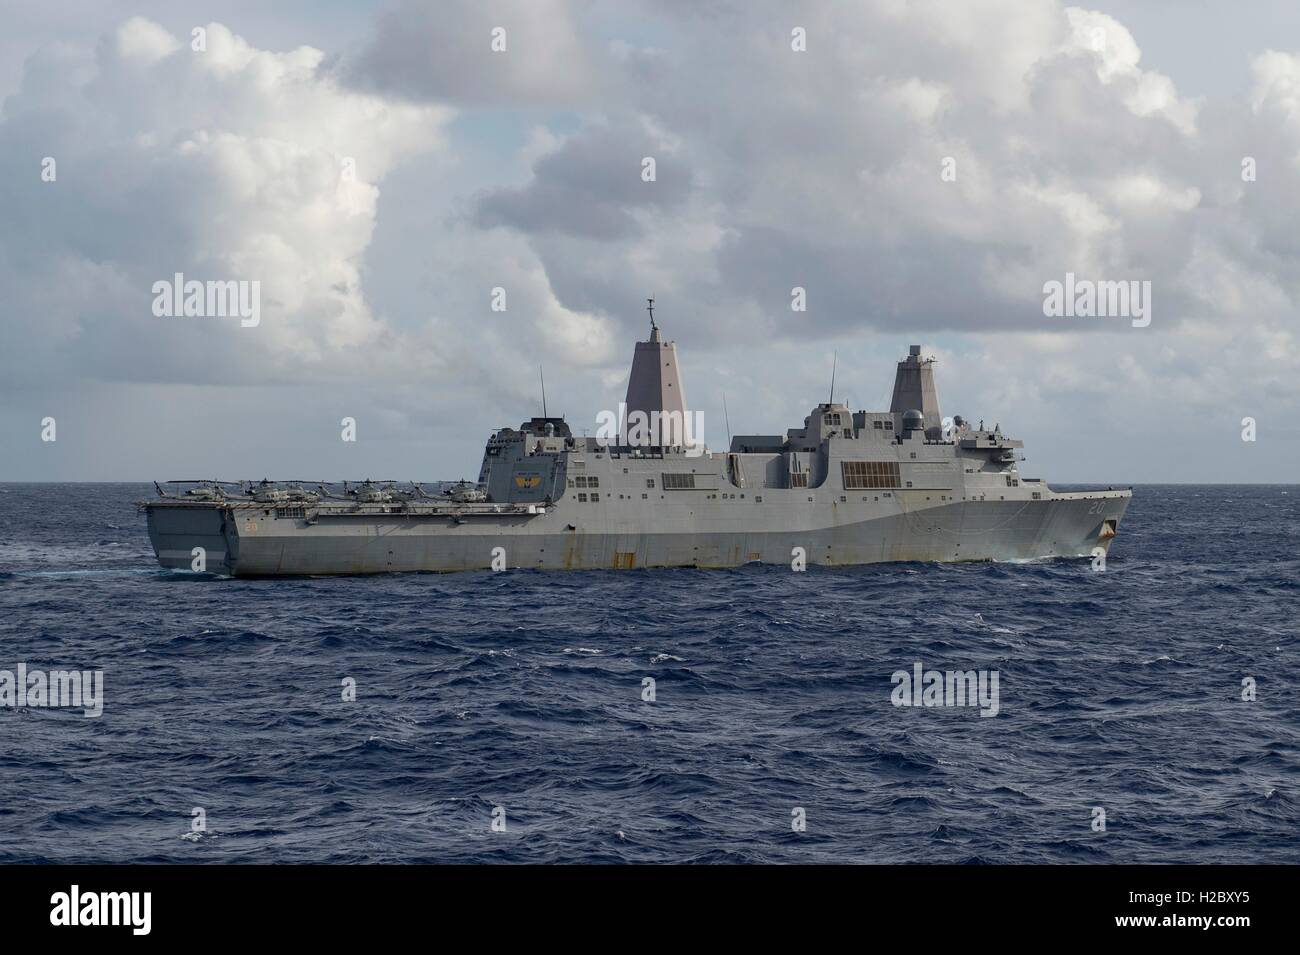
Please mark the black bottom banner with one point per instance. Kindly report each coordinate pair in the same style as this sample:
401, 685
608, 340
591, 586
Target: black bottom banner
331, 904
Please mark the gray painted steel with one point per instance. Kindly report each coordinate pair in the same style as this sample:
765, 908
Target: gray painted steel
847, 488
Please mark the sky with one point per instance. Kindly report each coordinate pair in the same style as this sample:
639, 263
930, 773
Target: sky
429, 220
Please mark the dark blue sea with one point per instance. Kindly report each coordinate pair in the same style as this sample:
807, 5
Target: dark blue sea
1118, 690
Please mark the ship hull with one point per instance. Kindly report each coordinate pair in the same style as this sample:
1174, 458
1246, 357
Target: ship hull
258, 543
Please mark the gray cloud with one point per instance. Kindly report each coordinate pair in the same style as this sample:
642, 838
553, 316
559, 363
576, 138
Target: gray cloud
444, 51
522, 171
592, 187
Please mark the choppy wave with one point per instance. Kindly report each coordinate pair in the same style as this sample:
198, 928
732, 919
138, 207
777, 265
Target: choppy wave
771, 694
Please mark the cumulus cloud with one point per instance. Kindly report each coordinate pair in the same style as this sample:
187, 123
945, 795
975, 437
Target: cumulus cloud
823, 169
221, 163
512, 52
595, 185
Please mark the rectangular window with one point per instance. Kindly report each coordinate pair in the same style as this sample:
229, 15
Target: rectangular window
879, 424
649, 482
595, 498
593, 481
862, 475
582, 498
678, 482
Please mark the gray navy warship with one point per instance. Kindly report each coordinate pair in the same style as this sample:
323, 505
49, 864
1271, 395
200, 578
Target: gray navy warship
849, 487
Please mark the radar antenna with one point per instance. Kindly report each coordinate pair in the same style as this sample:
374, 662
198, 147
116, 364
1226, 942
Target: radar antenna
650, 307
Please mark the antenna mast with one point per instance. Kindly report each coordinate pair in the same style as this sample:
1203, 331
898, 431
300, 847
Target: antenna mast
543, 380
650, 307
834, 360
726, 417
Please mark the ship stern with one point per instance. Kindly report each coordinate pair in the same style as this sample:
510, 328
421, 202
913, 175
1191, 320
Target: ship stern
193, 538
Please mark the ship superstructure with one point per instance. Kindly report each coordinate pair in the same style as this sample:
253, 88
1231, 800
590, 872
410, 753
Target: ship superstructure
849, 487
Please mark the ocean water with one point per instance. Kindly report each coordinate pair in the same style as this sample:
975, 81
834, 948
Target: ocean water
521, 694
